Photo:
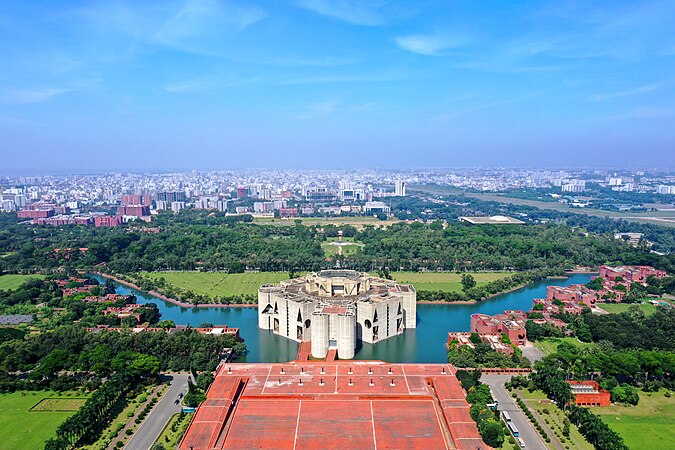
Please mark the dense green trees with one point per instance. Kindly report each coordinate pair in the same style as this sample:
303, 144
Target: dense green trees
478, 395
595, 430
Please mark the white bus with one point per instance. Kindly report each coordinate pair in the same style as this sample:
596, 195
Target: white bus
506, 416
512, 429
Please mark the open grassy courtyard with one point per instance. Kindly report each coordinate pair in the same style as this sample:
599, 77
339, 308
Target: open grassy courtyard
444, 281
22, 428
216, 284
358, 222
616, 308
649, 425
13, 281
550, 345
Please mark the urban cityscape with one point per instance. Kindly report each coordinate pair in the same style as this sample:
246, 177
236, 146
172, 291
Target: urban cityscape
337, 224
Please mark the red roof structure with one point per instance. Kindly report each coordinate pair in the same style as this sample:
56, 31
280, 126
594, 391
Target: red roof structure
333, 405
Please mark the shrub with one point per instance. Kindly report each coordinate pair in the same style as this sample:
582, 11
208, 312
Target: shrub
545, 411
119, 444
128, 432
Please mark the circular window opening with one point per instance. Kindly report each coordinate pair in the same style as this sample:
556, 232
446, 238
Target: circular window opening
368, 324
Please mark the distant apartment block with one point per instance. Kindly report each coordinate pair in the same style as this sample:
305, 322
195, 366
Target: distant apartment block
399, 188
133, 210
42, 213
663, 189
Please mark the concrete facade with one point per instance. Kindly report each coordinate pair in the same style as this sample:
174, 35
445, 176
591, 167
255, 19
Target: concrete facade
335, 309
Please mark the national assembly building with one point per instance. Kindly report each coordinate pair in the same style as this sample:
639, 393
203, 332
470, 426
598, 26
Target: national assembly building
334, 309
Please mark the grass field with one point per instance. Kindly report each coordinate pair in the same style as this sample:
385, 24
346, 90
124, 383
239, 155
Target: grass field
21, 428
616, 308
649, 425
444, 281
12, 281
215, 284
219, 283
550, 345
59, 404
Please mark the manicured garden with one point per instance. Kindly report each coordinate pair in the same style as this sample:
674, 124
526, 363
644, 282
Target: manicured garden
27, 421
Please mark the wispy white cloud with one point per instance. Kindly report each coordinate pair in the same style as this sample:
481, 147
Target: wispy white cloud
208, 84
204, 18
429, 44
643, 112
358, 12
627, 93
26, 96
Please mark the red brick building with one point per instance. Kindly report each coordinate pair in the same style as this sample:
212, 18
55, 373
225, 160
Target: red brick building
107, 221
631, 273
288, 212
133, 210
511, 323
35, 213
589, 393
337, 405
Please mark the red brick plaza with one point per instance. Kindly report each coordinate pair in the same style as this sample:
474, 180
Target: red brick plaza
333, 405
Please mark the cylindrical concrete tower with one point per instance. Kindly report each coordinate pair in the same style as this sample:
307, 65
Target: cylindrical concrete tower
319, 335
346, 335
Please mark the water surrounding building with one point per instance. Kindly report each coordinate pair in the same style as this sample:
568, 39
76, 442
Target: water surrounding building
336, 309
424, 344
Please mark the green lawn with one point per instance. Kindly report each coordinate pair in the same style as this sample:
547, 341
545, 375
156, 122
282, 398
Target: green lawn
21, 428
550, 345
219, 283
12, 281
615, 308
224, 284
649, 425
330, 249
444, 281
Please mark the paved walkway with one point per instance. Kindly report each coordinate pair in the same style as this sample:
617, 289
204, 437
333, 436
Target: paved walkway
528, 433
148, 432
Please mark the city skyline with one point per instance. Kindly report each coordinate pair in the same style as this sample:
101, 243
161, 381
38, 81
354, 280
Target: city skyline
210, 85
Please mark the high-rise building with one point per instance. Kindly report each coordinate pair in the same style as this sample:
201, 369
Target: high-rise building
399, 188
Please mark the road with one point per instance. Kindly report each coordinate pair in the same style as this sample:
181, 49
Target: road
160, 415
506, 403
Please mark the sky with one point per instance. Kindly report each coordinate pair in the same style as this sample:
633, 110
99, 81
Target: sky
229, 84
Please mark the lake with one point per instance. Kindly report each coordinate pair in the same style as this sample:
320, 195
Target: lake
426, 344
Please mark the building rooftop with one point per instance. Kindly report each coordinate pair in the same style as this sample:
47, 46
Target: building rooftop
495, 220
341, 404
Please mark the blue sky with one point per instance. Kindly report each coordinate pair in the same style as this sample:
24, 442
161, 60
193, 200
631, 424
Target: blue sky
225, 84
